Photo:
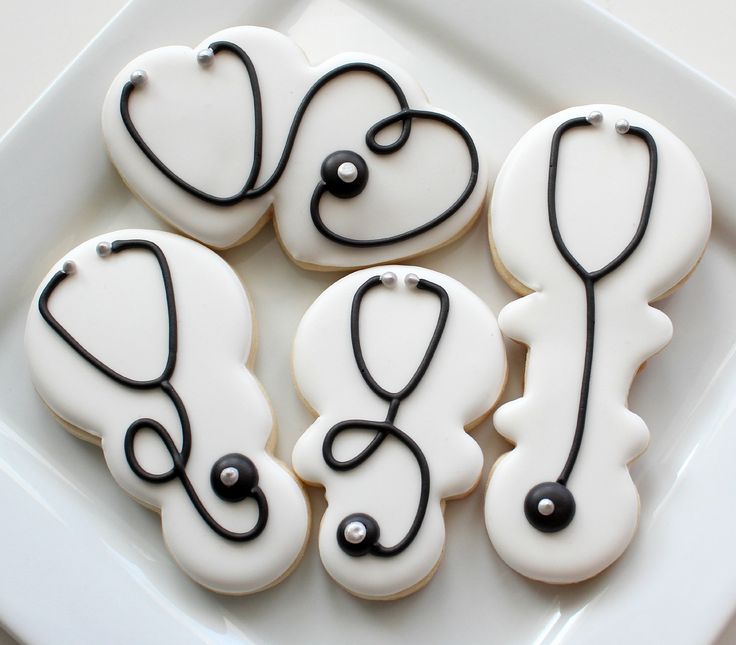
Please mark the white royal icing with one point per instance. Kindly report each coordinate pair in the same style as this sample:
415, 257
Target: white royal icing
115, 307
460, 386
601, 182
199, 120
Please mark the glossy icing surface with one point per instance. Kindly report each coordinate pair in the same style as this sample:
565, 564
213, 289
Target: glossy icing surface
115, 307
201, 122
462, 381
600, 189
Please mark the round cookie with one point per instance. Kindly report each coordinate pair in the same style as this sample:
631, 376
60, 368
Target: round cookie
597, 212
139, 340
397, 362
354, 163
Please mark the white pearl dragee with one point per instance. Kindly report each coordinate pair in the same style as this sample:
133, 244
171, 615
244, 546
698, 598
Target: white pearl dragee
104, 249
347, 172
411, 280
205, 57
546, 507
229, 476
389, 279
355, 532
139, 77
622, 126
594, 118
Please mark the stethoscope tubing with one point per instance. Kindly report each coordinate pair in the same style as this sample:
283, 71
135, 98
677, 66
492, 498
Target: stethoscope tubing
179, 457
249, 190
589, 278
550, 506
386, 428
404, 116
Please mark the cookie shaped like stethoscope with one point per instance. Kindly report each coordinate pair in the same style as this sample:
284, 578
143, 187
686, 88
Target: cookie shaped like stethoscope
597, 212
138, 340
397, 362
355, 164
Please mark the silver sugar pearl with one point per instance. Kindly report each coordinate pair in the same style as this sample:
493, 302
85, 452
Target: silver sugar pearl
546, 507
622, 126
347, 172
69, 267
229, 476
411, 280
389, 279
139, 77
205, 57
104, 249
594, 118
355, 532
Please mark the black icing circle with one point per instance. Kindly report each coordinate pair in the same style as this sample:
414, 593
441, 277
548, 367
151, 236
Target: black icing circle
372, 533
246, 482
563, 512
337, 186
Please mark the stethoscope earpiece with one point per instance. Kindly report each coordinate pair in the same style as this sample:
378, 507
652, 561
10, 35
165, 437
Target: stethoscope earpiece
205, 57
622, 126
595, 117
549, 507
138, 78
357, 534
234, 477
345, 173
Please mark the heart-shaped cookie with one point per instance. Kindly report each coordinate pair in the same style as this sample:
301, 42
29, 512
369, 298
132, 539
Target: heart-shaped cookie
356, 166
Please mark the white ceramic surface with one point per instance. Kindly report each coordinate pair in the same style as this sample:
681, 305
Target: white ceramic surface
82, 562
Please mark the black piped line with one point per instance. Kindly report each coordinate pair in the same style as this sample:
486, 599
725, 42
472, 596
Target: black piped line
405, 115
589, 278
179, 457
386, 428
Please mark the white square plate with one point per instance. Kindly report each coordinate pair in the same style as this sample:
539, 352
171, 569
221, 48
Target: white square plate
82, 562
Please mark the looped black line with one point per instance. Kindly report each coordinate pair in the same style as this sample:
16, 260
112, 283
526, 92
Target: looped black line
405, 115
386, 428
162, 382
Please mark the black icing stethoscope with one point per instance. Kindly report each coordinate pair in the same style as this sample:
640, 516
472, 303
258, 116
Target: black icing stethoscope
344, 172
550, 506
233, 477
358, 534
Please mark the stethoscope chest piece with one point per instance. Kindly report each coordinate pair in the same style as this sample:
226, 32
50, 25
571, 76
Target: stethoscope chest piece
234, 477
357, 534
345, 173
549, 507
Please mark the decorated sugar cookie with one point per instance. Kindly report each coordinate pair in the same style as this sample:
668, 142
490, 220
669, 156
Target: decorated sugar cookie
138, 340
397, 362
348, 155
597, 212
